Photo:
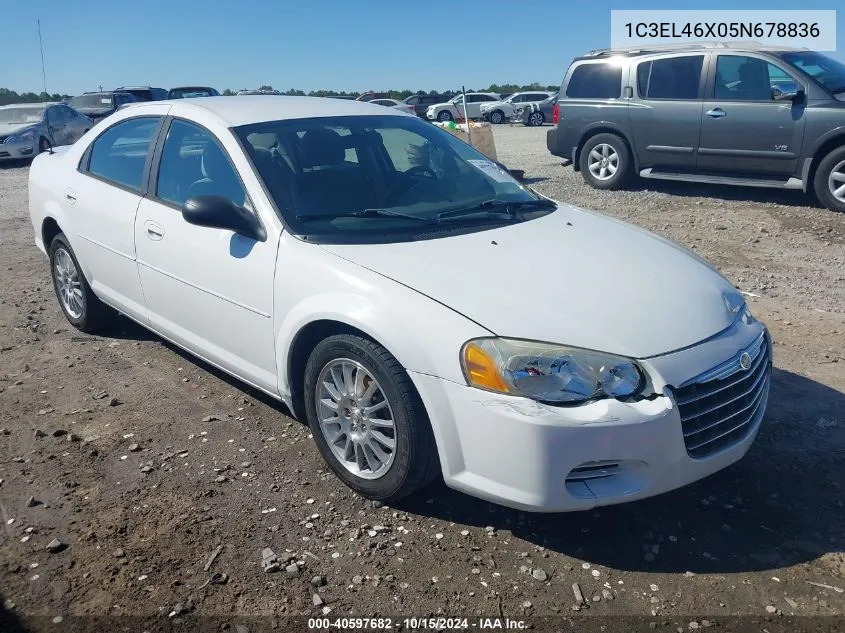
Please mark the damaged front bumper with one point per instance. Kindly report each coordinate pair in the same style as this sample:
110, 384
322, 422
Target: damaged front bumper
523, 454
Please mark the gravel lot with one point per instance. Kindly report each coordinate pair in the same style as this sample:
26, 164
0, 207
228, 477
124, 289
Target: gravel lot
150, 460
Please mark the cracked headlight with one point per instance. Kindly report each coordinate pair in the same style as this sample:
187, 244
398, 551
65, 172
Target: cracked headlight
556, 374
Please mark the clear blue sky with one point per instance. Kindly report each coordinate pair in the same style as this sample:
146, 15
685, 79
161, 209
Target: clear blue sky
312, 44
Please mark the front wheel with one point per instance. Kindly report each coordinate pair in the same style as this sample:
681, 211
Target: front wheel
497, 116
367, 419
43, 145
829, 183
444, 116
605, 162
78, 302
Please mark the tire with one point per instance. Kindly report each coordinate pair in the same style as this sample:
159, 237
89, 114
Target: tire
497, 116
413, 461
43, 145
612, 148
536, 119
86, 312
444, 115
830, 178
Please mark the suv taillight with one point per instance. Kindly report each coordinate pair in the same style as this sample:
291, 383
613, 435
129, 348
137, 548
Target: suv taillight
555, 114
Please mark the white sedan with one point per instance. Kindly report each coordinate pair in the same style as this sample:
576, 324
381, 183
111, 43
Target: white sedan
424, 312
393, 103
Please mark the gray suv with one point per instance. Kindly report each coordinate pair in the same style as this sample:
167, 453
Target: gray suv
739, 114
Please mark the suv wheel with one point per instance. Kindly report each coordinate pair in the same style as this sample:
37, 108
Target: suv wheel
444, 115
536, 119
605, 162
497, 116
829, 183
367, 419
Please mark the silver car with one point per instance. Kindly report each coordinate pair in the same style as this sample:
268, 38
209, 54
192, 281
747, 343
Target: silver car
27, 129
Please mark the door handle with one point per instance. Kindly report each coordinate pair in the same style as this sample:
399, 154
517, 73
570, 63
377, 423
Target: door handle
154, 231
716, 113
70, 195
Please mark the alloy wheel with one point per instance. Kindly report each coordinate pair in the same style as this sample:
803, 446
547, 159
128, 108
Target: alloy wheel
68, 285
836, 182
355, 418
603, 161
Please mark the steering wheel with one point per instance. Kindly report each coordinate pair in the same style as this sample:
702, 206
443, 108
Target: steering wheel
422, 170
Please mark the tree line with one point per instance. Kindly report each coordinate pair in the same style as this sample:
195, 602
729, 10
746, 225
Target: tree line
10, 96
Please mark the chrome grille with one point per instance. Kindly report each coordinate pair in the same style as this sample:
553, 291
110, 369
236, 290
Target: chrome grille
721, 407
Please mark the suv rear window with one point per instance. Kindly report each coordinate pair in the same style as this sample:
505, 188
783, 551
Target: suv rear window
595, 81
670, 78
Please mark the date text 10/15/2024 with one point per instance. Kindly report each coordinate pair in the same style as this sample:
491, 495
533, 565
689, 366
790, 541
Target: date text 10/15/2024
416, 624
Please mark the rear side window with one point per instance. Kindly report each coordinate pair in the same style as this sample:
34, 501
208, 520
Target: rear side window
120, 153
595, 81
672, 78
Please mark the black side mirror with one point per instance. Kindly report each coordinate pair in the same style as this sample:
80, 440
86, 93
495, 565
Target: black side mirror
218, 212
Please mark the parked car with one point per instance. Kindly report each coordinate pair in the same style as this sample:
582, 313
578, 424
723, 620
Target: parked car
242, 93
725, 113
535, 114
454, 108
501, 111
98, 105
369, 96
185, 92
144, 93
393, 103
27, 129
365, 315
422, 102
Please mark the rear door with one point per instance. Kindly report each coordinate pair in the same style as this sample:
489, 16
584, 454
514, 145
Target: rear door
103, 197
666, 108
744, 128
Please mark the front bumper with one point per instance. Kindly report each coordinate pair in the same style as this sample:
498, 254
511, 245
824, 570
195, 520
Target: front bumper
18, 151
519, 453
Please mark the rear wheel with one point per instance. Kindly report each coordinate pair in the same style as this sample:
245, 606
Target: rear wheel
78, 302
367, 419
829, 183
497, 116
536, 119
605, 162
444, 115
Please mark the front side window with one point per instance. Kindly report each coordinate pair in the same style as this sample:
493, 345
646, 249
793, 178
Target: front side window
742, 78
194, 164
595, 81
405, 175
828, 72
120, 153
675, 78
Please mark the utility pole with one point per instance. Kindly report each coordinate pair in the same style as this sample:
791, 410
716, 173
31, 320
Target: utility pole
43, 73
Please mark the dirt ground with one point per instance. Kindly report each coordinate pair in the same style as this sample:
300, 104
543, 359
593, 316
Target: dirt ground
142, 462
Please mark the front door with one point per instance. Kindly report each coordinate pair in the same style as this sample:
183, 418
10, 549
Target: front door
665, 113
209, 290
744, 129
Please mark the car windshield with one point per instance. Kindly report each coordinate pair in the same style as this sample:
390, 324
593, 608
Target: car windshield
187, 93
828, 72
91, 101
381, 178
22, 115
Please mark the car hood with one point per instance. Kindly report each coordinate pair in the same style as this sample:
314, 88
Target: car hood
573, 277
15, 128
494, 104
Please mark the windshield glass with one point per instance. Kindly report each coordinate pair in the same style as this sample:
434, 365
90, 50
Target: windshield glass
91, 101
378, 177
22, 115
828, 72
187, 93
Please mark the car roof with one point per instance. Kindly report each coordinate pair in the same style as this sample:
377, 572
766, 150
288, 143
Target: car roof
38, 104
647, 49
260, 108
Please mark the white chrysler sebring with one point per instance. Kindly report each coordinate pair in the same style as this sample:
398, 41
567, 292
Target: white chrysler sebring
421, 309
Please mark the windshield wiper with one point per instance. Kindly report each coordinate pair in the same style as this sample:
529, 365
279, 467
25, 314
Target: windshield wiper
364, 213
495, 206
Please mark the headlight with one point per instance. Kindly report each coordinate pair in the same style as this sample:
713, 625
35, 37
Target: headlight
549, 373
23, 137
